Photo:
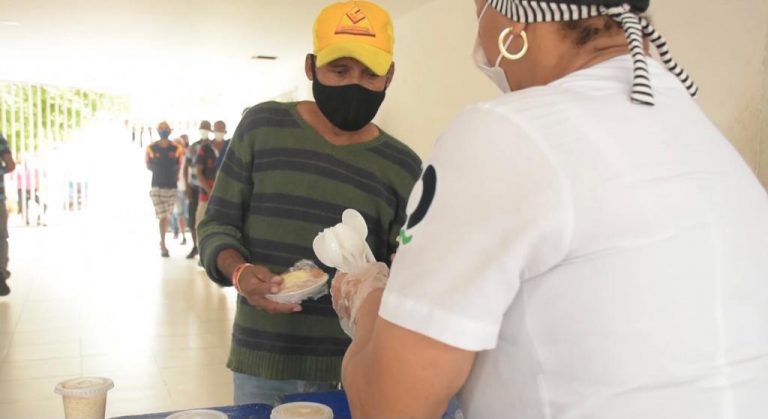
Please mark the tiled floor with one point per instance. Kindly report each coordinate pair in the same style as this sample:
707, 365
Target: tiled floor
91, 296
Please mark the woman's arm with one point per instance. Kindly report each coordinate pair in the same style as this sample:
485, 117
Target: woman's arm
389, 371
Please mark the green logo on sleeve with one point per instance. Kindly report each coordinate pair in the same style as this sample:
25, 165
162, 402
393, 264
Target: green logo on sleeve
428, 190
404, 237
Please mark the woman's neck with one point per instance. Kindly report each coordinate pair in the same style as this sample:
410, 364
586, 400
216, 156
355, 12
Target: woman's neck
552, 57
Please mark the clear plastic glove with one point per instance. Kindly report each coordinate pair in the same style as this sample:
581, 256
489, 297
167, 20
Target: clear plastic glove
350, 290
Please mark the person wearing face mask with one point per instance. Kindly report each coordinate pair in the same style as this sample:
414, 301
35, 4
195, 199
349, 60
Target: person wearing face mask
290, 171
193, 183
607, 248
207, 163
163, 158
180, 215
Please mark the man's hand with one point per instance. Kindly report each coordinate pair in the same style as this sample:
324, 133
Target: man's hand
256, 282
208, 187
189, 191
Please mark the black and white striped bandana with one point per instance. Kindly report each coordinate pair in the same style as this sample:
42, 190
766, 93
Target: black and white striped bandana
624, 12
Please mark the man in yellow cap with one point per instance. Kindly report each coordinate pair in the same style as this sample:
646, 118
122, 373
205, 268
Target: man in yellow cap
290, 171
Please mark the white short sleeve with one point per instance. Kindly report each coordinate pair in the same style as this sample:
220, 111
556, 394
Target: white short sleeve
490, 211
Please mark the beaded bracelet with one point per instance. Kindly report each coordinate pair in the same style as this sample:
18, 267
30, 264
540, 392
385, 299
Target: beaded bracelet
236, 275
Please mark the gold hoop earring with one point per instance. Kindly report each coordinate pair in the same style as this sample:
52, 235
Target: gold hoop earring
503, 48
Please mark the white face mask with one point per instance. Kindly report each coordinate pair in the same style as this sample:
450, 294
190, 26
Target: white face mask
219, 135
495, 73
204, 134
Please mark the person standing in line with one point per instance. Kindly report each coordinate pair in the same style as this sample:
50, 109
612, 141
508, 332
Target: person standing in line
163, 159
207, 163
7, 165
180, 212
193, 185
290, 171
28, 188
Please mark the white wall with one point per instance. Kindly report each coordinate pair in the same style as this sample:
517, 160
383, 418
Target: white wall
435, 76
764, 134
726, 51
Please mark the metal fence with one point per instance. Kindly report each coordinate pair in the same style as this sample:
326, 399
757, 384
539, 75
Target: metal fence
39, 123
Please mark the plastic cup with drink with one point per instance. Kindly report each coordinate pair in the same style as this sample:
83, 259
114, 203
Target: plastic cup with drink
85, 397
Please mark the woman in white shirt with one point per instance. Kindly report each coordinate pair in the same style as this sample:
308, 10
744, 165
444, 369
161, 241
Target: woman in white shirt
587, 245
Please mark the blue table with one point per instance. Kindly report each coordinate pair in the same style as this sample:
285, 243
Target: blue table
245, 411
336, 400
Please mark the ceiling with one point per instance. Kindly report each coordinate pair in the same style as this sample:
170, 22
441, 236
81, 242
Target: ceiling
186, 54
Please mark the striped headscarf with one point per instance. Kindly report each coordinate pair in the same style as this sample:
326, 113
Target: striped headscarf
628, 13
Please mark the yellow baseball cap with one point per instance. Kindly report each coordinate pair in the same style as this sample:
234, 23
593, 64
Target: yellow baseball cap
356, 29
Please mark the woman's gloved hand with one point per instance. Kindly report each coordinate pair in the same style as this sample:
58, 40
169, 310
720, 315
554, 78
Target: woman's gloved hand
349, 291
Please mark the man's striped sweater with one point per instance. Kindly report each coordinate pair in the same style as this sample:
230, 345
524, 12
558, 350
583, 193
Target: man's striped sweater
280, 184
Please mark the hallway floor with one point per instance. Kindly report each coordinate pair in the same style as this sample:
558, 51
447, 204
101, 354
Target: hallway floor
92, 296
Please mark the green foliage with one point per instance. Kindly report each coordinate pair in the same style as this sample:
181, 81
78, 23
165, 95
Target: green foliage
34, 116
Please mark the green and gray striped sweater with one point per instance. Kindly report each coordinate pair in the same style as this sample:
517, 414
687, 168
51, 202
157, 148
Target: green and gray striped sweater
280, 184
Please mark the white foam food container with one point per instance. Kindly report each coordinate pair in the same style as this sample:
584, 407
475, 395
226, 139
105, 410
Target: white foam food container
198, 414
302, 410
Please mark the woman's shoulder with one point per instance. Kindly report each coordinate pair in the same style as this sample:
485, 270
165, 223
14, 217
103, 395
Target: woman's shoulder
508, 111
528, 101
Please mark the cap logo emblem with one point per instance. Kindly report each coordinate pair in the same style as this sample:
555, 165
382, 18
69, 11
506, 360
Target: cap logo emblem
355, 22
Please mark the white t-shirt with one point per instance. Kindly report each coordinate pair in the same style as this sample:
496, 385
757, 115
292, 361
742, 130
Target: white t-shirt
607, 260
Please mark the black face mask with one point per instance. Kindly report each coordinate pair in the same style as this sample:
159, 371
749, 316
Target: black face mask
350, 107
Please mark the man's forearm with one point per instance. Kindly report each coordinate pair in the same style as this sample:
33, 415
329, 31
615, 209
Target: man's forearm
227, 260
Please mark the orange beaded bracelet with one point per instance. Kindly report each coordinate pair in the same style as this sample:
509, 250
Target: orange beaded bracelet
236, 275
